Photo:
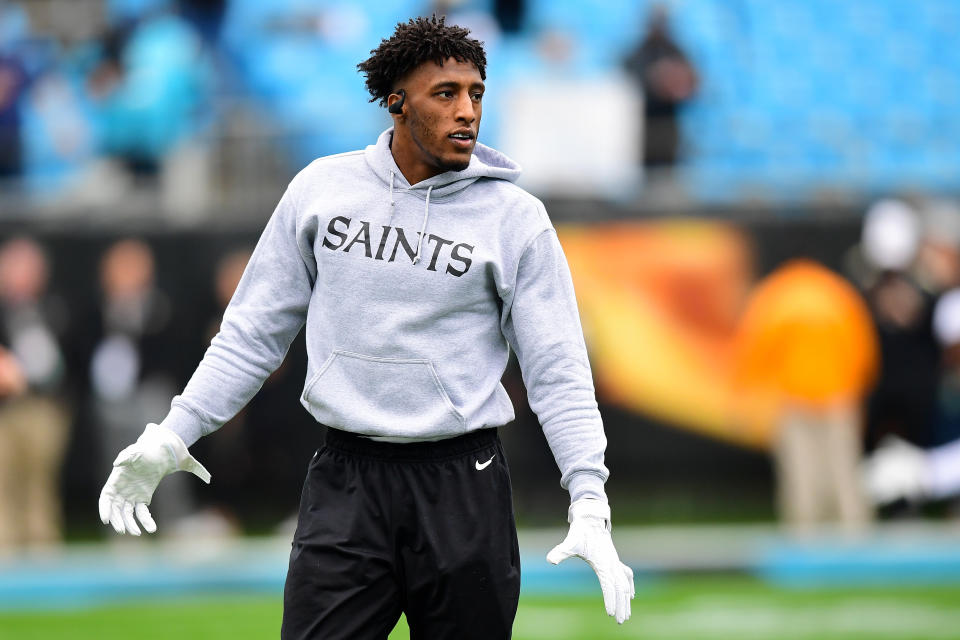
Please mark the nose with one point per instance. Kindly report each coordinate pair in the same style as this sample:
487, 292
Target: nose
466, 109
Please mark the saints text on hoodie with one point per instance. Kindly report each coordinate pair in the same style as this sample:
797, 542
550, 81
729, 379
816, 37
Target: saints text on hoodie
412, 296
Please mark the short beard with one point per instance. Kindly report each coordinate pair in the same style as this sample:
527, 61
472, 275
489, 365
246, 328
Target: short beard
459, 166
418, 131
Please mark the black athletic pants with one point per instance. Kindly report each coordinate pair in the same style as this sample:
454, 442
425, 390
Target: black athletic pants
421, 528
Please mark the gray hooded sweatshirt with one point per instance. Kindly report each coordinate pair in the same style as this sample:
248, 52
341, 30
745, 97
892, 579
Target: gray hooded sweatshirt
412, 297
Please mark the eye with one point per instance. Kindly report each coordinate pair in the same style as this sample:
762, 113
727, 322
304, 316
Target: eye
477, 97
445, 93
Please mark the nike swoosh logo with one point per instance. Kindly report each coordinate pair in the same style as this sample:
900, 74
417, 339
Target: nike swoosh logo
481, 467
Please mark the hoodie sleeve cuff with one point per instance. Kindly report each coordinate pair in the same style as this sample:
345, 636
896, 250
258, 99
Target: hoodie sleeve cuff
586, 485
185, 424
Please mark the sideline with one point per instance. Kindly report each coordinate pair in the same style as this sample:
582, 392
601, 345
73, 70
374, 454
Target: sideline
129, 568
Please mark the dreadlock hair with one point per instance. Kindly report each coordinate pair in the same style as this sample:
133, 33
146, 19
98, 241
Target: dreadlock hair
419, 40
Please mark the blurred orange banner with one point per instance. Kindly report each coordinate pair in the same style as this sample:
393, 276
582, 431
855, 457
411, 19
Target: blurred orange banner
660, 302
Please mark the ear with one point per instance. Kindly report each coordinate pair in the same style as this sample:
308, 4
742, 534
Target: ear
395, 102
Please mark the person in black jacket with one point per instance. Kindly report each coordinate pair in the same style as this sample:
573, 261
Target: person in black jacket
34, 422
668, 80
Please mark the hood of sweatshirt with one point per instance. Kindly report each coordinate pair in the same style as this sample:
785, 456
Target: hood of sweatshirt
485, 162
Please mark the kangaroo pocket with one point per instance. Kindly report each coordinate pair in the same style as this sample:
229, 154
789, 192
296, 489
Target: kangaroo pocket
381, 396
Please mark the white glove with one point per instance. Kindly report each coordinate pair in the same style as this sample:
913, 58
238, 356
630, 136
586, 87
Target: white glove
136, 473
589, 538
897, 469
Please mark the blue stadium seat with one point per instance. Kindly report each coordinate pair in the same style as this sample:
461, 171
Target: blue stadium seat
794, 95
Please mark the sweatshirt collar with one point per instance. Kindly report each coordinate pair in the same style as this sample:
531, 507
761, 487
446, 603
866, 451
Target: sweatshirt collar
485, 162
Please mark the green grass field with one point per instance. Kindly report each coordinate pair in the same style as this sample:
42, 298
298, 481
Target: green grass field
677, 608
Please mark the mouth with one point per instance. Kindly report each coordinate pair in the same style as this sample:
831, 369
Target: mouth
463, 138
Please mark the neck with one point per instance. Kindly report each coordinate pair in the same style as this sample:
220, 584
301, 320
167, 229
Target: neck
408, 156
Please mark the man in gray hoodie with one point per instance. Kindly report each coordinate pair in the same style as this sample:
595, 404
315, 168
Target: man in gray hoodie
416, 264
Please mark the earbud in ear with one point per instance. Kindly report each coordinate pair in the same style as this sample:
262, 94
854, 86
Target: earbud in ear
397, 107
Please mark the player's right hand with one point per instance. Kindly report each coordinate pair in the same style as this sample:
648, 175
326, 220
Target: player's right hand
136, 473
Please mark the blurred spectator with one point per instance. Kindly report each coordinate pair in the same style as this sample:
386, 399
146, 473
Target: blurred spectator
206, 16
511, 15
133, 359
156, 96
147, 104
938, 267
254, 490
34, 423
58, 136
938, 255
228, 454
903, 402
13, 83
899, 470
227, 276
806, 338
947, 424
668, 80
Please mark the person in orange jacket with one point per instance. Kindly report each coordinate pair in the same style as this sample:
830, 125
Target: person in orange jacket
807, 339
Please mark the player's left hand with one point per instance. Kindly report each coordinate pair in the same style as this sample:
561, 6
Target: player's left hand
589, 538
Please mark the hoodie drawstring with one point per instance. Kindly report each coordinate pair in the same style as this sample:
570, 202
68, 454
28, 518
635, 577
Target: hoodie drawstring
393, 205
426, 214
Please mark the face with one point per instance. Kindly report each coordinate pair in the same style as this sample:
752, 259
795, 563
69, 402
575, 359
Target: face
23, 271
437, 130
126, 270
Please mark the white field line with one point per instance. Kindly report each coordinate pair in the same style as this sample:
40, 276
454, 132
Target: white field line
727, 618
